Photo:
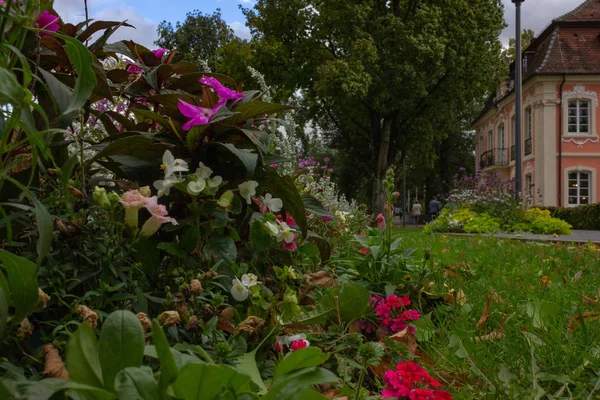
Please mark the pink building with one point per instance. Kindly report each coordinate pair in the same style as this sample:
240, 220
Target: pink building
561, 83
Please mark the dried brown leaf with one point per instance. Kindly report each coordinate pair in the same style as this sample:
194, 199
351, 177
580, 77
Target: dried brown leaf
406, 338
53, 364
193, 324
577, 276
484, 315
496, 335
25, 329
225, 319
589, 300
322, 279
461, 298
586, 317
43, 299
87, 315
146, 323
169, 318
496, 297
252, 325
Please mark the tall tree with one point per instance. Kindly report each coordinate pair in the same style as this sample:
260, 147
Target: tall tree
527, 37
198, 39
389, 75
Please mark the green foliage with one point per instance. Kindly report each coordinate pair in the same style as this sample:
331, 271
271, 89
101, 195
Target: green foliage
550, 226
581, 217
482, 223
344, 302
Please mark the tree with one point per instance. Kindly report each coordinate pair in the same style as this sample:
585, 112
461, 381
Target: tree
527, 37
198, 38
391, 76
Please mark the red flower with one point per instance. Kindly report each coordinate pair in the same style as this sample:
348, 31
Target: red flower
365, 251
412, 381
299, 344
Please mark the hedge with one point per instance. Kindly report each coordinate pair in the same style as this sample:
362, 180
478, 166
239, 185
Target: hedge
581, 217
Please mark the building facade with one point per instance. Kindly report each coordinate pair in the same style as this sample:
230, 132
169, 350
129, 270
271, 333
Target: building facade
560, 132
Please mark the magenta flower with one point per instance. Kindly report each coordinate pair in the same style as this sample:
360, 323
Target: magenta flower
198, 115
48, 22
159, 53
221, 91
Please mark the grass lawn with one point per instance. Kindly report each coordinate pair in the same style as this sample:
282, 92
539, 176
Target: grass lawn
539, 338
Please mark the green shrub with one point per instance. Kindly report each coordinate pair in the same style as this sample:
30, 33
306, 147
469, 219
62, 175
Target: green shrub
520, 227
581, 217
482, 223
550, 226
535, 213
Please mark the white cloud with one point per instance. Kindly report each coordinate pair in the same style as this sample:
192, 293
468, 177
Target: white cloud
534, 15
240, 30
110, 10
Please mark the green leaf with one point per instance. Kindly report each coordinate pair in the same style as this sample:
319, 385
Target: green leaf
59, 91
132, 146
246, 364
22, 280
285, 189
248, 158
322, 244
222, 247
136, 383
82, 59
147, 254
259, 237
3, 310
121, 344
313, 206
82, 357
172, 248
292, 386
12, 92
303, 358
47, 388
98, 26
352, 300
253, 109
541, 311
207, 381
45, 227
168, 368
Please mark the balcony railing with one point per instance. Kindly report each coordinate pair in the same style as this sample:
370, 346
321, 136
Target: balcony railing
494, 157
528, 146
513, 152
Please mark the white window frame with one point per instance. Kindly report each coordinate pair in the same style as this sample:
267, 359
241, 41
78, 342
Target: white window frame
529, 188
592, 99
490, 139
581, 105
591, 187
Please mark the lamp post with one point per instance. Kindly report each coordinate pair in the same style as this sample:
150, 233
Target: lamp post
519, 99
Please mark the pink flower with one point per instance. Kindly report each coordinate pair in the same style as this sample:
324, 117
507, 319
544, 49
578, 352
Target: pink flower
132, 201
412, 381
159, 216
326, 219
289, 220
381, 224
278, 346
198, 115
48, 22
133, 68
263, 209
365, 251
221, 91
159, 53
299, 344
291, 246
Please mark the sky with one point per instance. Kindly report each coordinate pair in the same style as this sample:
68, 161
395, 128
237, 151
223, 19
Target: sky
145, 15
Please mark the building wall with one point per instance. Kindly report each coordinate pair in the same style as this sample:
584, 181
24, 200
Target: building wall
580, 152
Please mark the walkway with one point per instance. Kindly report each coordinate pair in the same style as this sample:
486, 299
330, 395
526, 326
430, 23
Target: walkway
578, 237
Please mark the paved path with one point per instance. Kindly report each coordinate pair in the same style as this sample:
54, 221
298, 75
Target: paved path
577, 237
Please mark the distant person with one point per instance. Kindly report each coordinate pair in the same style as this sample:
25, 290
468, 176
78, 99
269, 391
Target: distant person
434, 208
417, 211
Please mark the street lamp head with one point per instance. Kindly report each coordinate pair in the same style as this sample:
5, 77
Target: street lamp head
518, 1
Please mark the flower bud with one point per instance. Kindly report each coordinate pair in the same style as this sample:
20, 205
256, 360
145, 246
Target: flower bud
145, 191
101, 198
114, 198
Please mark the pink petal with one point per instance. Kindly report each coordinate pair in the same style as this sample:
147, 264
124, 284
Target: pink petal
190, 110
159, 53
198, 120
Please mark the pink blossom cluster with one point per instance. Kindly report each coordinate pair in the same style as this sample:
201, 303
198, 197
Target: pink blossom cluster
392, 316
311, 163
411, 381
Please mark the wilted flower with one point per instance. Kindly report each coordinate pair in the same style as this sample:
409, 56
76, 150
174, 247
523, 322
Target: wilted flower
248, 190
25, 329
43, 299
159, 216
169, 318
381, 224
145, 321
87, 315
196, 287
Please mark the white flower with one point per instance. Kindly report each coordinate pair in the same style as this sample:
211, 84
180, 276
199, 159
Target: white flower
272, 203
247, 190
215, 182
164, 186
203, 172
171, 164
272, 228
285, 233
249, 280
196, 187
238, 290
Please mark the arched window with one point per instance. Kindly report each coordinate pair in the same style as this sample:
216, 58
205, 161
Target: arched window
578, 121
579, 187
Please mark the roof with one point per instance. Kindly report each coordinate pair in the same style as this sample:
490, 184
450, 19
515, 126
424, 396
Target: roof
570, 44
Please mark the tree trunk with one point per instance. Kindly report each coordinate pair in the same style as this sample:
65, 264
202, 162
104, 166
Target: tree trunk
378, 195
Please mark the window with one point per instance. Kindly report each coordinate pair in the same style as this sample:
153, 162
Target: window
513, 132
528, 131
490, 139
578, 121
501, 137
579, 188
481, 148
529, 188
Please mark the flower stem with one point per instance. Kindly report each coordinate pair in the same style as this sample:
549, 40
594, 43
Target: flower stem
361, 377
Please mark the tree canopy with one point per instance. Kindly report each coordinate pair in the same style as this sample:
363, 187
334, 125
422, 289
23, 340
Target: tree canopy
392, 77
527, 37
